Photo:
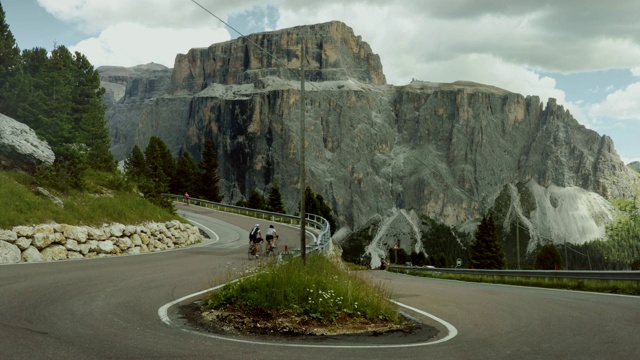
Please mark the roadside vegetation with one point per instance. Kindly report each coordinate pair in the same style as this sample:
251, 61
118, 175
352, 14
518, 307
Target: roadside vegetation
319, 291
103, 201
603, 286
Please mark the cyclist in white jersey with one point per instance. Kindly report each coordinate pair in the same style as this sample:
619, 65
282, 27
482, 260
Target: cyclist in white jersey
272, 236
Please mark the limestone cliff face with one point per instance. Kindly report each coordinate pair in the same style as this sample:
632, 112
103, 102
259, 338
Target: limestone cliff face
333, 52
449, 151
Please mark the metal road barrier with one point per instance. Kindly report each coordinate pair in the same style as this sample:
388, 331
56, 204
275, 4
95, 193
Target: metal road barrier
560, 274
320, 224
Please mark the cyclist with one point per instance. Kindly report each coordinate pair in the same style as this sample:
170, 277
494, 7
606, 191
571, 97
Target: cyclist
255, 237
272, 236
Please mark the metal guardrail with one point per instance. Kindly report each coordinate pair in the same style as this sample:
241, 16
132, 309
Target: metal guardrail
560, 274
322, 244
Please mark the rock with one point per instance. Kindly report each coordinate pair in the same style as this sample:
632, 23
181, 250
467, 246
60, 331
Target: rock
72, 245
9, 236
23, 243
47, 194
54, 253
117, 230
20, 147
105, 247
9, 253
78, 233
31, 254
42, 240
23, 231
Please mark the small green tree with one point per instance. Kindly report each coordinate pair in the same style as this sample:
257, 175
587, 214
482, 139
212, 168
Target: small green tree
486, 250
274, 199
256, 200
209, 189
548, 258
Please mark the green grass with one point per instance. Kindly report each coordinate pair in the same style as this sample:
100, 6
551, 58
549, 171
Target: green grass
104, 201
626, 287
320, 290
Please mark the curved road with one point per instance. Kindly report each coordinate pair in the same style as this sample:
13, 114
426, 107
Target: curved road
108, 309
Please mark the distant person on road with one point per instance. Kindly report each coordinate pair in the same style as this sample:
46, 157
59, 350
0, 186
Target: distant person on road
186, 198
384, 264
272, 236
255, 237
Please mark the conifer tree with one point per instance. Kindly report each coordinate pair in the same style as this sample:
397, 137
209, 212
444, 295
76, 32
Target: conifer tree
135, 165
88, 114
160, 165
548, 258
187, 177
210, 189
256, 200
274, 202
486, 250
9, 69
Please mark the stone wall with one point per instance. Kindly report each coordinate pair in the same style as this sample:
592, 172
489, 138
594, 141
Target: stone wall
52, 242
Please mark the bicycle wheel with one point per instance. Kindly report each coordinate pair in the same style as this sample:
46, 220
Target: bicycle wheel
272, 251
250, 252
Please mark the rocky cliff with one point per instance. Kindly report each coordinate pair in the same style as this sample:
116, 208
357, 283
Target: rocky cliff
448, 151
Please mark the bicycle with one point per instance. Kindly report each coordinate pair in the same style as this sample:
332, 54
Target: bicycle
251, 252
272, 250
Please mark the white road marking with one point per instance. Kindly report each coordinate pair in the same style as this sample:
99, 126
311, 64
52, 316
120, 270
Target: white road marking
452, 331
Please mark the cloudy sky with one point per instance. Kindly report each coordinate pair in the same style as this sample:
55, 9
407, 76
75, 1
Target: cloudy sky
584, 53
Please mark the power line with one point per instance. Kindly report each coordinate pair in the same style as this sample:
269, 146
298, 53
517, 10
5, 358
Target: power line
278, 61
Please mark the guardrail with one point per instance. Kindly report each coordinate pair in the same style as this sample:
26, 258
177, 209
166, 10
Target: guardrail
560, 274
322, 243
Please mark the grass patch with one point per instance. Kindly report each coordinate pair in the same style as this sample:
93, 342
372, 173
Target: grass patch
320, 290
626, 287
106, 200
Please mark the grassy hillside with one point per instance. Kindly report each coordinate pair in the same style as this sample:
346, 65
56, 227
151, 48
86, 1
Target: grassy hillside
106, 199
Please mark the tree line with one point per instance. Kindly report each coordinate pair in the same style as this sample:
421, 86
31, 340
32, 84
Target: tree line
58, 95
154, 171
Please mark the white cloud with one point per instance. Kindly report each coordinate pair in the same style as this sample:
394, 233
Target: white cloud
621, 104
128, 44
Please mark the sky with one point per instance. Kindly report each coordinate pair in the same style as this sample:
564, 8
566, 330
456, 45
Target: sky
583, 53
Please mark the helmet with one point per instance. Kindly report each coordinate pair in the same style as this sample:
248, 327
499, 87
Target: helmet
271, 226
257, 225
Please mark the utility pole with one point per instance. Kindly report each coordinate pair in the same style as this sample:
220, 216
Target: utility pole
303, 173
566, 258
518, 238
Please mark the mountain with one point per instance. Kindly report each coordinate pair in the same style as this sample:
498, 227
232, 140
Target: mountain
376, 152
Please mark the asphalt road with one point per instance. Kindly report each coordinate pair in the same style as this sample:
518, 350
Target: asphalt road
108, 308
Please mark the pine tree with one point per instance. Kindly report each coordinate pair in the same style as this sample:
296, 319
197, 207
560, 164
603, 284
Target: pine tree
325, 211
187, 177
315, 204
548, 258
256, 200
486, 250
88, 114
10, 70
160, 165
210, 189
135, 165
274, 202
